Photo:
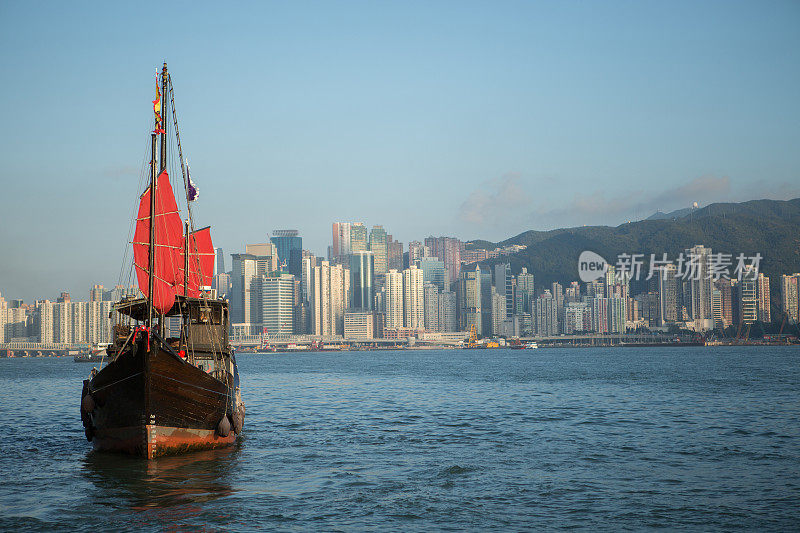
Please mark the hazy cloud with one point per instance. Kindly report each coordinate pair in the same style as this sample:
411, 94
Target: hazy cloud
705, 189
600, 207
494, 201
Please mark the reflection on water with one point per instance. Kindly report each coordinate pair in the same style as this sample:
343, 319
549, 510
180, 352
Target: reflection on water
133, 483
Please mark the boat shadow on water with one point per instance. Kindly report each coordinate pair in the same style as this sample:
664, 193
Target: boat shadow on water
125, 482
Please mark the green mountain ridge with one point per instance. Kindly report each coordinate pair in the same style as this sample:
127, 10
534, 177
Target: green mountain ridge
768, 227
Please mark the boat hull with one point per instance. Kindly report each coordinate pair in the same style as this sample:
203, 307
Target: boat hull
150, 403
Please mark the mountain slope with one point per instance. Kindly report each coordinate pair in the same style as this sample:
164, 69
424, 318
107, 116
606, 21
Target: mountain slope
769, 227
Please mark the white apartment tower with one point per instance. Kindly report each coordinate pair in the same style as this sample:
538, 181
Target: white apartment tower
394, 299
413, 298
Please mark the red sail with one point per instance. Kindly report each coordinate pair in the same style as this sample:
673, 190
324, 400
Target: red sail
201, 262
169, 235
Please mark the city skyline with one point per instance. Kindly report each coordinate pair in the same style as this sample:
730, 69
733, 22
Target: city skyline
469, 120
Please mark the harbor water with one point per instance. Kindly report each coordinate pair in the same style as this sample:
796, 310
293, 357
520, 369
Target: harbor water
602, 439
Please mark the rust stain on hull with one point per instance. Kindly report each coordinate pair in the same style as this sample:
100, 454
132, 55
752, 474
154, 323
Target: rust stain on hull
151, 441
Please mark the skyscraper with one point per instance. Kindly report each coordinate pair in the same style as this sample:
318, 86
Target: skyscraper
219, 265
362, 269
277, 301
379, 246
747, 297
266, 257
341, 240
415, 252
790, 302
413, 298
468, 296
431, 306
358, 237
697, 263
762, 293
667, 288
498, 310
433, 271
723, 285
395, 254
504, 287
289, 247
394, 299
448, 249
328, 293
546, 315
525, 292
448, 319
616, 314
242, 302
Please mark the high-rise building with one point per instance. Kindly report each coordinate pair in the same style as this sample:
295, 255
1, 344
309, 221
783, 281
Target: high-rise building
468, 297
504, 287
309, 261
379, 245
697, 266
289, 247
415, 252
96, 293
341, 240
558, 296
725, 289
599, 307
362, 270
328, 294
572, 293
358, 237
431, 292
667, 290
577, 318
448, 249
98, 323
448, 316
498, 310
762, 293
266, 257
433, 271
790, 302
395, 254
393, 303
222, 284
219, 264
277, 304
546, 314
243, 305
747, 297
616, 314
526, 294
413, 299
486, 302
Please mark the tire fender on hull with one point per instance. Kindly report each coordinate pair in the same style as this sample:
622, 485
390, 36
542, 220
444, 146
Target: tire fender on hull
224, 427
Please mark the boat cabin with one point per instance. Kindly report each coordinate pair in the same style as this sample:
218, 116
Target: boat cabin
203, 339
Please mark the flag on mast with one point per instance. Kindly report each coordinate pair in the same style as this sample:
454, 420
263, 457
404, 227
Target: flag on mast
192, 192
157, 109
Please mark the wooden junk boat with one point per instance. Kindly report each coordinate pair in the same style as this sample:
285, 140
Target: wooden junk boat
160, 394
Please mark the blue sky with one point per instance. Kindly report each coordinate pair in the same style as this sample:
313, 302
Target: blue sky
473, 119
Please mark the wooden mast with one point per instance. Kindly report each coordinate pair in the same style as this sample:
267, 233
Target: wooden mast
151, 253
163, 158
164, 111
